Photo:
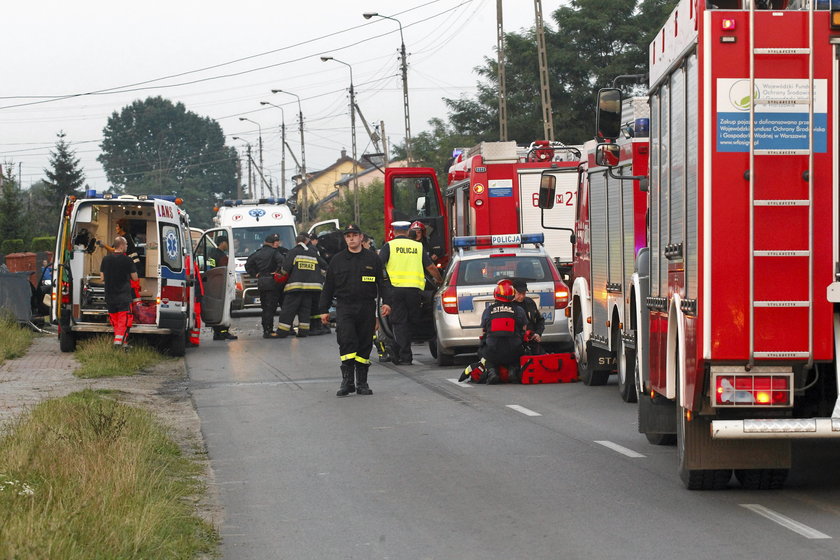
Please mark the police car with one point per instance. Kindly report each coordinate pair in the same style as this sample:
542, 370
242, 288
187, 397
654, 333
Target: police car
468, 287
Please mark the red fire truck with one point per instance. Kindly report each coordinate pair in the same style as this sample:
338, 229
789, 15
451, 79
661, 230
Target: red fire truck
743, 237
609, 232
492, 189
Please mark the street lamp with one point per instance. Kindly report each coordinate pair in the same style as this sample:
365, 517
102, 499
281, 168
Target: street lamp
404, 67
262, 176
250, 173
353, 136
305, 206
282, 146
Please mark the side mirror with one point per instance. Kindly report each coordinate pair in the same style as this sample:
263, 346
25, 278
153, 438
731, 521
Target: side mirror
608, 114
548, 184
607, 155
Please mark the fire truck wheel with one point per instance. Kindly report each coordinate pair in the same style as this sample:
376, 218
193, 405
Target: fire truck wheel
761, 479
654, 438
443, 359
66, 340
178, 344
626, 369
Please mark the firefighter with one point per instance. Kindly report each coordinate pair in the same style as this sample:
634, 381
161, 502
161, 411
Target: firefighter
503, 325
355, 277
122, 286
315, 326
417, 232
303, 269
536, 322
264, 264
405, 261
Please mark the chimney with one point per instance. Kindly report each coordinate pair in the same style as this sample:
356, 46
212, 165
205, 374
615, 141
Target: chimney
343, 153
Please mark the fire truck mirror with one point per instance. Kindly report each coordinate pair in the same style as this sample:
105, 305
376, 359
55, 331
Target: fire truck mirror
607, 154
608, 114
548, 184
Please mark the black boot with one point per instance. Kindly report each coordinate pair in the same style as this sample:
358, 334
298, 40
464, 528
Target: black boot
361, 380
347, 386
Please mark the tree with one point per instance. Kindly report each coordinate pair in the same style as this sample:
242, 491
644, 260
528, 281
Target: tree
64, 178
157, 147
370, 209
12, 219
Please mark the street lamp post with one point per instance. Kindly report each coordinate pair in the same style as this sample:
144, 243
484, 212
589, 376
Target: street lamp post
305, 206
282, 147
250, 173
353, 136
404, 68
262, 174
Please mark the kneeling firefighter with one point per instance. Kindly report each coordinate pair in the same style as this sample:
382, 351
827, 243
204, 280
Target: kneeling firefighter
503, 324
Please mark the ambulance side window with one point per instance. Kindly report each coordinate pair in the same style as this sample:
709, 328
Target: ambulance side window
171, 253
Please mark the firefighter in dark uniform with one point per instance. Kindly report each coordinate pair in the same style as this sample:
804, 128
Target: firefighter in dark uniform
503, 324
316, 327
536, 322
406, 263
303, 268
355, 277
264, 264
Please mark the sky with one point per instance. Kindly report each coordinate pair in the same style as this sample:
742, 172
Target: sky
221, 58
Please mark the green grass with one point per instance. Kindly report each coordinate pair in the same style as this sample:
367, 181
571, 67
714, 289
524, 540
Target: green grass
84, 477
99, 358
14, 340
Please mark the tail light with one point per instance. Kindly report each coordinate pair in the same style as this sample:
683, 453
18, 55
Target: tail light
744, 389
449, 297
65, 292
561, 290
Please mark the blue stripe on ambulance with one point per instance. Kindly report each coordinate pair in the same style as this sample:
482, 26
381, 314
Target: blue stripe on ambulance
166, 272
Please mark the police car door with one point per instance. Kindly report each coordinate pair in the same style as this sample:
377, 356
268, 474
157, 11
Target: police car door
218, 274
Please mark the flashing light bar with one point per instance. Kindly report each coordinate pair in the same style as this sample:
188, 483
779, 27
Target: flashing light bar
91, 193
496, 240
270, 200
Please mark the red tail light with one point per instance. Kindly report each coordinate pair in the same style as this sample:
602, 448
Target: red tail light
449, 297
561, 290
753, 390
65, 292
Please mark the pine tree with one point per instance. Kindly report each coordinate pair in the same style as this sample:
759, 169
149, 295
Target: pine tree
11, 207
66, 177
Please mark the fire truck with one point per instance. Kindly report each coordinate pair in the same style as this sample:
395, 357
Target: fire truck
492, 190
605, 310
744, 262
180, 287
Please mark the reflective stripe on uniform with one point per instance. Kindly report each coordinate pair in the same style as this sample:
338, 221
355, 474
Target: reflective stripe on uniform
350, 356
362, 360
405, 263
302, 286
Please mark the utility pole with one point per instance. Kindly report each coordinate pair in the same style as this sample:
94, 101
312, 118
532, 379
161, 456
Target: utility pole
250, 175
545, 93
384, 142
500, 50
304, 211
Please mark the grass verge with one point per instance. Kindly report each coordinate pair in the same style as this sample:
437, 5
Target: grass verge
99, 358
85, 477
14, 340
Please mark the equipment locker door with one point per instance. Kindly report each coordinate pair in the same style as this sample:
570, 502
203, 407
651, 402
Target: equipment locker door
218, 275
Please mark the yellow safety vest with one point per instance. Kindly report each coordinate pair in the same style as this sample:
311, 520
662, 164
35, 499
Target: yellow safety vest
405, 263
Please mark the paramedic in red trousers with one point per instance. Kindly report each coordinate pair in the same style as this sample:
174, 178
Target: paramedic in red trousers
263, 264
503, 324
303, 268
405, 262
355, 278
119, 274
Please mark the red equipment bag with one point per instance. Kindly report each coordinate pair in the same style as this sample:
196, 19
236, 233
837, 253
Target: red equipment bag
548, 368
145, 312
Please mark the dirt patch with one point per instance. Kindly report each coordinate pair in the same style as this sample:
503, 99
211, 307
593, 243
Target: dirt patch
45, 372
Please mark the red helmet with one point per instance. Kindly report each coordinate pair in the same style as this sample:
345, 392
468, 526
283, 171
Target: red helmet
419, 226
504, 290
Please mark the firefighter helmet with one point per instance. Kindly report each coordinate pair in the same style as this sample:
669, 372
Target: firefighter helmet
418, 226
504, 290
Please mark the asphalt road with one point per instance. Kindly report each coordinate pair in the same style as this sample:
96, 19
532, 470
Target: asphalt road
426, 468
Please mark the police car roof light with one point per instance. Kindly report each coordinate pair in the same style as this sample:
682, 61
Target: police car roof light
494, 240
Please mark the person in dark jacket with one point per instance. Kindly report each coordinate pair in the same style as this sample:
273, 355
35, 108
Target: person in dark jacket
219, 257
536, 322
355, 277
503, 324
119, 274
264, 264
303, 268
316, 327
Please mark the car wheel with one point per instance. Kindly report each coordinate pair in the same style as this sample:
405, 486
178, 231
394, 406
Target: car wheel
443, 359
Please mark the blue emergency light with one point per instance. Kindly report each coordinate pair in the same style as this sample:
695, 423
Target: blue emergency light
497, 240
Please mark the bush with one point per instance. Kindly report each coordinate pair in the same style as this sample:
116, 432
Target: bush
44, 244
11, 246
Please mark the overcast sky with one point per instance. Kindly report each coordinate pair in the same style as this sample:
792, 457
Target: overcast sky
59, 48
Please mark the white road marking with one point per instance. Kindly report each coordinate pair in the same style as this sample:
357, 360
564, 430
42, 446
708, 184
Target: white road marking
523, 410
459, 384
619, 448
786, 522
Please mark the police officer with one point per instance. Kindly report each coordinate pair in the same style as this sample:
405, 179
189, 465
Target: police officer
263, 264
536, 322
503, 325
355, 277
303, 268
405, 261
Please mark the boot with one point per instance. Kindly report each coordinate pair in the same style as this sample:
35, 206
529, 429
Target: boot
361, 380
269, 333
347, 386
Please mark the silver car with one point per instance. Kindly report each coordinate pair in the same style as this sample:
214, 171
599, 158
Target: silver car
468, 287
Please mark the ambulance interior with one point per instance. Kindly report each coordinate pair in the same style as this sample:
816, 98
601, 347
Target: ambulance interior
93, 235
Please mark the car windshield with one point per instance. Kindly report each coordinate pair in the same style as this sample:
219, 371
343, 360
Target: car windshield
490, 270
246, 240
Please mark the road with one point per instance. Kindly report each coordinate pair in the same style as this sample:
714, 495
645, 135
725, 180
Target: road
429, 469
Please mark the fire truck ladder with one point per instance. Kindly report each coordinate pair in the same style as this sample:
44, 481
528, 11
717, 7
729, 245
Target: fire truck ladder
805, 205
